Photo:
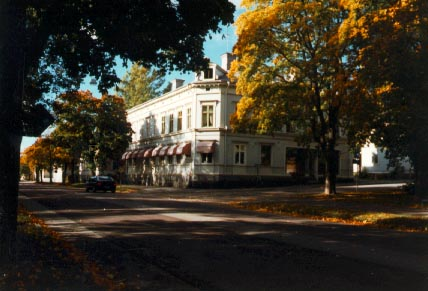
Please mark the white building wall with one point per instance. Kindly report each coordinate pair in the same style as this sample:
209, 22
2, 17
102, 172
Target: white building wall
373, 160
219, 93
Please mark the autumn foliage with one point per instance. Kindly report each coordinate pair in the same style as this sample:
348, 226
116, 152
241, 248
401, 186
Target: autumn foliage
294, 68
355, 66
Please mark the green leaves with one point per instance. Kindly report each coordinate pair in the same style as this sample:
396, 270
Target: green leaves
96, 129
140, 84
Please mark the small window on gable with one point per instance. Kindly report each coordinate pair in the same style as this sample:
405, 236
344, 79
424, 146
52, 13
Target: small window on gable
209, 73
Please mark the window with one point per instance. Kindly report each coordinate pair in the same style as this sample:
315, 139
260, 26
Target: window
235, 106
163, 125
239, 153
375, 159
189, 117
171, 123
207, 115
180, 121
206, 158
147, 126
180, 159
152, 125
265, 155
209, 74
290, 127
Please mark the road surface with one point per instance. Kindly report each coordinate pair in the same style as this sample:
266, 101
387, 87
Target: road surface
159, 242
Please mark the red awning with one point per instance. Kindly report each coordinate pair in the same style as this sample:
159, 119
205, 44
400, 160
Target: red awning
140, 154
128, 155
184, 149
125, 154
163, 151
148, 153
134, 154
156, 151
171, 151
205, 147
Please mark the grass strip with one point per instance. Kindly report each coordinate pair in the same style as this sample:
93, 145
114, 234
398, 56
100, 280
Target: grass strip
47, 262
379, 219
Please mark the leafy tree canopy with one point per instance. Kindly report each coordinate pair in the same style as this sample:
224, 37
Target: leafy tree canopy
93, 128
392, 38
139, 85
50, 45
293, 68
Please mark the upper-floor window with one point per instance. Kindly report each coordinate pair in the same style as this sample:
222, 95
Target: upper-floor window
152, 125
147, 127
189, 117
163, 124
171, 123
265, 155
180, 121
209, 73
239, 154
207, 115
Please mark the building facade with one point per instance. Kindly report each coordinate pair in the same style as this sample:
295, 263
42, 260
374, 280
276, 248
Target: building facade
374, 163
183, 138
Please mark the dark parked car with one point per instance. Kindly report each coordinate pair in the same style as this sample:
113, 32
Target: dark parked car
101, 183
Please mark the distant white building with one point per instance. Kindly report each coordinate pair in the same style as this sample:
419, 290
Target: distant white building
374, 162
183, 138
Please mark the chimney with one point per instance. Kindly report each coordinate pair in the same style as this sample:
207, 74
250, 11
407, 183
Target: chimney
176, 83
226, 60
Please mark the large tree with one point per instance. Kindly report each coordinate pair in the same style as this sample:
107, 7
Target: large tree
140, 84
75, 125
45, 45
392, 38
292, 68
112, 133
95, 129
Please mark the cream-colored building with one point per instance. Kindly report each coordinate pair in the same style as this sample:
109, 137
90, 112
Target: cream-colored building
183, 138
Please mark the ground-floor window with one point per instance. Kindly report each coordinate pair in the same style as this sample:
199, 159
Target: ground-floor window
206, 158
180, 159
239, 154
265, 155
300, 162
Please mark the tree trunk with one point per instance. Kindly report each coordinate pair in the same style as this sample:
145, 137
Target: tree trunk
73, 164
421, 174
37, 175
12, 62
9, 177
64, 173
330, 172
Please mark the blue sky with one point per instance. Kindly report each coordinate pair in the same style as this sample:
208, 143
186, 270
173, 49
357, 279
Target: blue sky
214, 48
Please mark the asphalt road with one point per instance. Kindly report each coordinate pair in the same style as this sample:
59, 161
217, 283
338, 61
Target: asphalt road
165, 242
